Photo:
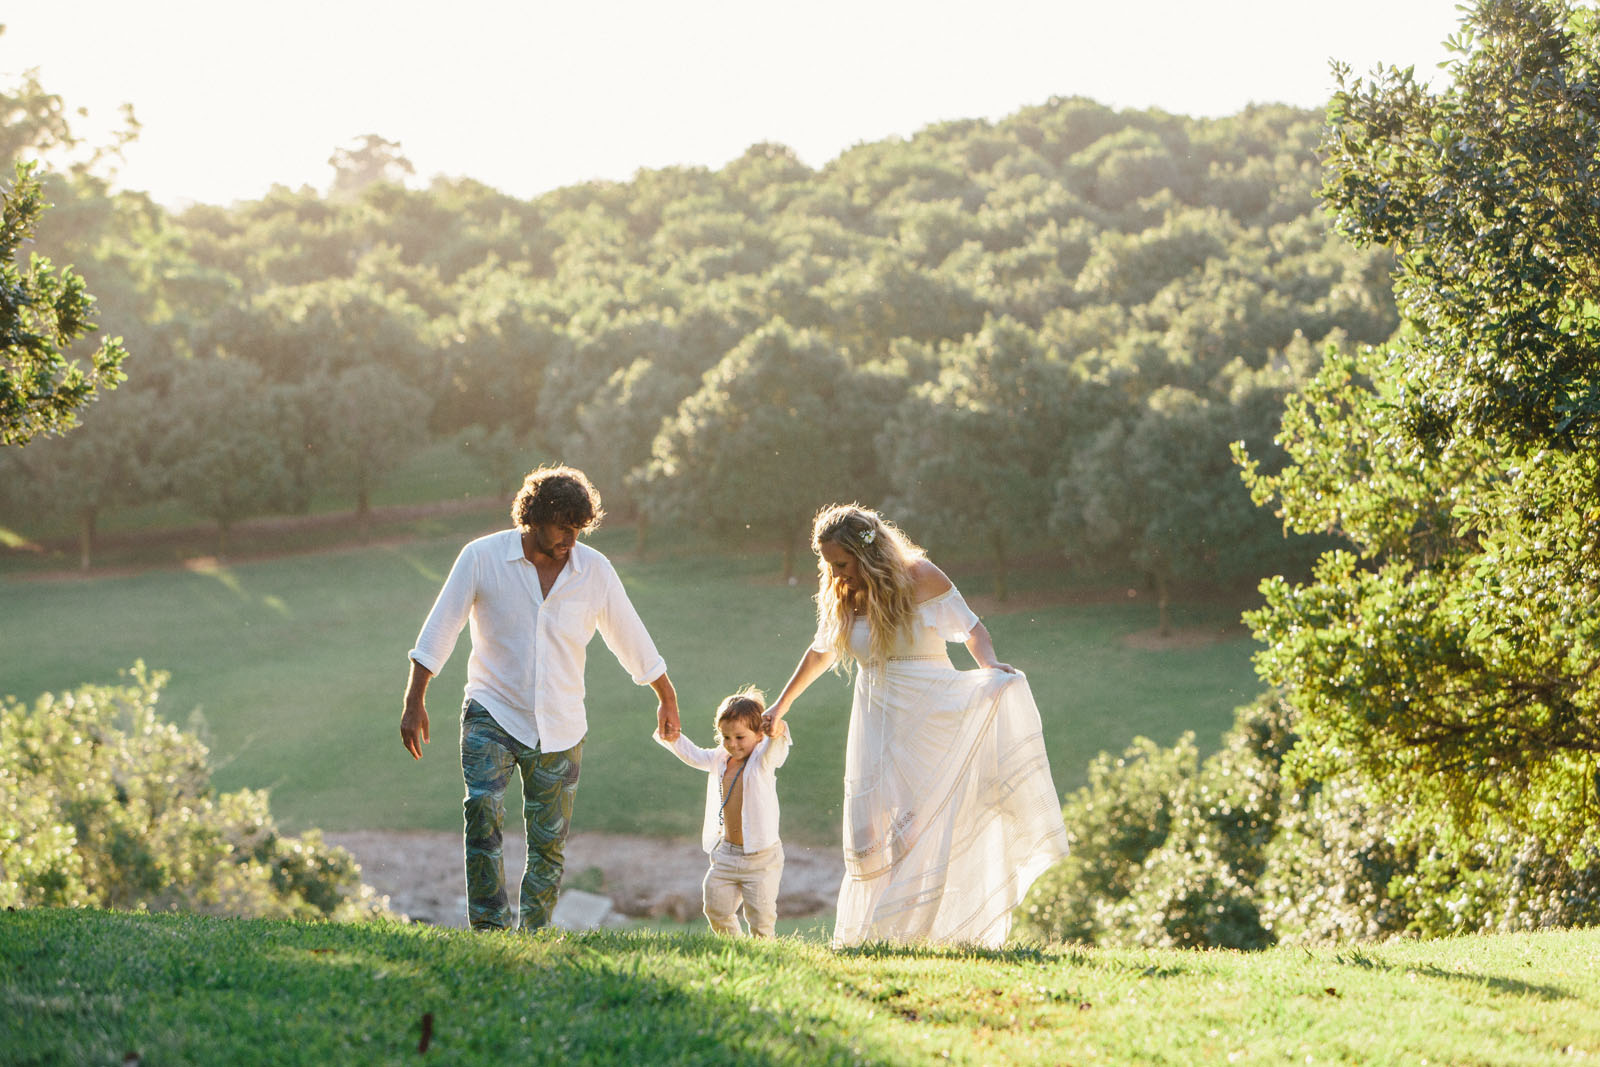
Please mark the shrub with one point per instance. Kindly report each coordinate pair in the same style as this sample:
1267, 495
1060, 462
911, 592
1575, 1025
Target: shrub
1114, 824
102, 804
1169, 852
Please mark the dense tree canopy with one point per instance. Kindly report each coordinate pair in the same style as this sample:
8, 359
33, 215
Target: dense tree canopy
1452, 653
1015, 286
43, 310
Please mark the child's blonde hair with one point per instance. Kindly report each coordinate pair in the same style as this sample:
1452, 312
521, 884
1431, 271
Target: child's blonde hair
745, 707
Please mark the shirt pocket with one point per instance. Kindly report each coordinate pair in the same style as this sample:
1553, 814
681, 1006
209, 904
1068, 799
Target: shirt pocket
573, 621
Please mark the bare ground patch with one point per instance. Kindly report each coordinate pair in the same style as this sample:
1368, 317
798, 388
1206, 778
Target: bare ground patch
423, 876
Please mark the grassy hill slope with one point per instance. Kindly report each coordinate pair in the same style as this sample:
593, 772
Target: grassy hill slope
94, 987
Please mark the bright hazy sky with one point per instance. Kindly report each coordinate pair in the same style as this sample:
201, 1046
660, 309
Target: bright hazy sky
527, 95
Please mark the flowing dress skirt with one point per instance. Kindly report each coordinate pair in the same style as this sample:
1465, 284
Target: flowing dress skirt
950, 812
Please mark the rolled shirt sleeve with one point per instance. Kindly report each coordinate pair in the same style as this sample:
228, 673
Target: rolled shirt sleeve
449, 614
624, 634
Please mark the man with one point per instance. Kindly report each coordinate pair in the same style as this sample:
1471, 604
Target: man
534, 597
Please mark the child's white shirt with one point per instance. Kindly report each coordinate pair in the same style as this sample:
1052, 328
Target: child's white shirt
760, 781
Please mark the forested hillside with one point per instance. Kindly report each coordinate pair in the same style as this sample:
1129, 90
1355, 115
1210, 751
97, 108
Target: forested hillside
1038, 334
1069, 333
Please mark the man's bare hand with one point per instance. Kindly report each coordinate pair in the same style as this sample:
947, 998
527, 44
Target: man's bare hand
667, 722
414, 729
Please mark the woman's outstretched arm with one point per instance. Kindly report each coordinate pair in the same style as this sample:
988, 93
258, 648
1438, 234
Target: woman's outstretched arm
810, 668
981, 645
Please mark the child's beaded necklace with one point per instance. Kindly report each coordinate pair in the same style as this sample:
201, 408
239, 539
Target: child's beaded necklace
727, 790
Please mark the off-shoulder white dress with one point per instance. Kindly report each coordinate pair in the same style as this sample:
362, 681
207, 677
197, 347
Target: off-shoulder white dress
950, 812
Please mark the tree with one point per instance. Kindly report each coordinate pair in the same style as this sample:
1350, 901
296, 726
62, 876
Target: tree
223, 450
495, 358
1451, 654
1490, 193
972, 456
771, 436
103, 464
367, 160
42, 312
375, 420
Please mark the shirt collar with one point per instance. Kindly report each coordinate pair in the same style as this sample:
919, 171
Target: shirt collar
575, 562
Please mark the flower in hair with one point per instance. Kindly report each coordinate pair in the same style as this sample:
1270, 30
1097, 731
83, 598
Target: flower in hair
868, 535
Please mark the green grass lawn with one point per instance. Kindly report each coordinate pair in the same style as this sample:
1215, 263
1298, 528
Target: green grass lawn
293, 670
85, 987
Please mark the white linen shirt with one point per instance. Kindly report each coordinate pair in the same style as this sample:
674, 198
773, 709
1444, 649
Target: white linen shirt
528, 649
759, 811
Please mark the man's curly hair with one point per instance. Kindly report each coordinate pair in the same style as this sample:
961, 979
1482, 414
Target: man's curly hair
557, 496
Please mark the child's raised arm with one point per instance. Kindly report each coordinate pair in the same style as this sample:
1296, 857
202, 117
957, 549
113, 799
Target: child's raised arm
777, 746
687, 751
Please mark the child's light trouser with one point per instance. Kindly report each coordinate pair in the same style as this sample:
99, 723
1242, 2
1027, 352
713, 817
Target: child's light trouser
749, 877
489, 755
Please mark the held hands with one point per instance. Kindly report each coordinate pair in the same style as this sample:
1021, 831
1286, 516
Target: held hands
414, 729
667, 722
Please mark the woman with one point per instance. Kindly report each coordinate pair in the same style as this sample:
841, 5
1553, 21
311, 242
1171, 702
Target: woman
949, 809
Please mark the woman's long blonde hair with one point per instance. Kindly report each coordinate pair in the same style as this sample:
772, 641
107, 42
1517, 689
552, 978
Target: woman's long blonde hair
885, 556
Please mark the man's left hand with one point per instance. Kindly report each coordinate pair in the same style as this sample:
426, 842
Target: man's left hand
667, 722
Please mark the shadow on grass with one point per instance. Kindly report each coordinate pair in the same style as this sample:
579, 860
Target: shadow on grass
1363, 960
98, 984
1026, 954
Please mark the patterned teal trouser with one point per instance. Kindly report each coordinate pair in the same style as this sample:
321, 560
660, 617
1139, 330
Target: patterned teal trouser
549, 784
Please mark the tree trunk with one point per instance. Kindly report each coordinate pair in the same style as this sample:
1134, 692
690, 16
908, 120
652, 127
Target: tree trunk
1163, 604
86, 524
641, 535
364, 513
224, 527
1001, 589
788, 558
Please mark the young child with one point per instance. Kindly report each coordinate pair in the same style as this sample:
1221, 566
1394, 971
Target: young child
741, 823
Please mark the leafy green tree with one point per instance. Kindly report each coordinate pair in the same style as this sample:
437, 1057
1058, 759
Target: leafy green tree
1126, 167
103, 464
42, 312
367, 160
772, 435
1234, 852
874, 302
375, 420
766, 177
223, 450
1133, 268
498, 349
973, 455
1114, 823
1167, 850
1450, 655
34, 127
1159, 490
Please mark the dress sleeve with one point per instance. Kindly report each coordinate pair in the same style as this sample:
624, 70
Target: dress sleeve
819, 640
948, 615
